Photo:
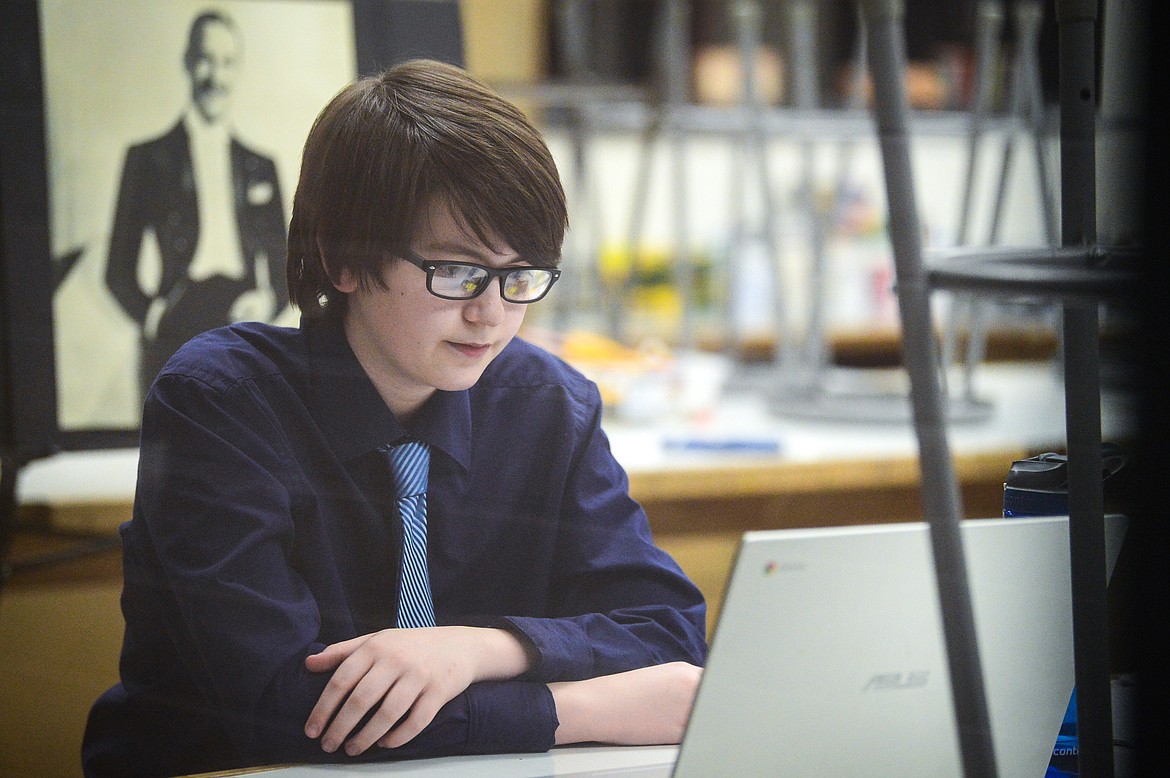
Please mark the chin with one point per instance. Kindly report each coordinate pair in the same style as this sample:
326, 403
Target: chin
213, 108
457, 382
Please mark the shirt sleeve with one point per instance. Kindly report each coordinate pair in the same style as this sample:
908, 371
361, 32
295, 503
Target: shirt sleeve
130, 222
619, 602
213, 536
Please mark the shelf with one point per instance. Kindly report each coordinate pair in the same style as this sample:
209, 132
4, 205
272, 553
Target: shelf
1068, 274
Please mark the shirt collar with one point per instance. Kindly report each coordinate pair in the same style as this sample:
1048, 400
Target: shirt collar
354, 417
199, 128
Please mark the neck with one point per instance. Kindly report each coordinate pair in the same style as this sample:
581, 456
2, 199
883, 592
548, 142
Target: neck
402, 398
202, 120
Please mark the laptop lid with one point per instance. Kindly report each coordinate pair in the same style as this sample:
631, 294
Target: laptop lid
828, 657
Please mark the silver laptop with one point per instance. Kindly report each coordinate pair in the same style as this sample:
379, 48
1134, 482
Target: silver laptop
828, 658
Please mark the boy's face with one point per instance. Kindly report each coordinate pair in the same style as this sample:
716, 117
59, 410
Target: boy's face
410, 342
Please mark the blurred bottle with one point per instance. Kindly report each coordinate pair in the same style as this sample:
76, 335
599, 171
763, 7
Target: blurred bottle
1038, 486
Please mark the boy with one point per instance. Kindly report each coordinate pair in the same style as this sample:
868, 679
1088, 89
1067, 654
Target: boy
396, 531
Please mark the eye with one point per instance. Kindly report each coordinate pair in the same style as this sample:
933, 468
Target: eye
520, 281
451, 272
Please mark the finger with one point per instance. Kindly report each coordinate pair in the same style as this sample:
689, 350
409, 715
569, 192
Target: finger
323, 662
368, 695
422, 713
395, 705
347, 676
333, 655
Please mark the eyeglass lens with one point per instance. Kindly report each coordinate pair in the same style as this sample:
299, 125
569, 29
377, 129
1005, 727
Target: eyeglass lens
466, 281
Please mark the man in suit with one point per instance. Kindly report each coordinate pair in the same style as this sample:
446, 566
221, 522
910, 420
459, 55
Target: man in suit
212, 206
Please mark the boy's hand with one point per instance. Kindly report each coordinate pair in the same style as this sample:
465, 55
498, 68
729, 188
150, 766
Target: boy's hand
404, 676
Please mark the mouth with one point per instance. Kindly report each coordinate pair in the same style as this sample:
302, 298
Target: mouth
212, 91
471, 350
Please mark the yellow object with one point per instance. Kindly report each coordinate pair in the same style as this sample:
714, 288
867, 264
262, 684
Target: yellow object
650, 265
613, 366
581, 346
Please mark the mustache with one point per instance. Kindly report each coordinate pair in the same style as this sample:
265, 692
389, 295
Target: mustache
211, 86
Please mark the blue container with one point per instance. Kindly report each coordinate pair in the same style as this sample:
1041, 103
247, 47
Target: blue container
1039, 487
1063, 763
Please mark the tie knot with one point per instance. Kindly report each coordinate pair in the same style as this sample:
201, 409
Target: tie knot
409, 462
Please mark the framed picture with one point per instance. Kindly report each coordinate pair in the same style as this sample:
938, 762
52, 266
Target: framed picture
149, 159
174, 137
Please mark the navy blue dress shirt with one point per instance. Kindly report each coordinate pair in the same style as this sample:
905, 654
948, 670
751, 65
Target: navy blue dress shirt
264, 529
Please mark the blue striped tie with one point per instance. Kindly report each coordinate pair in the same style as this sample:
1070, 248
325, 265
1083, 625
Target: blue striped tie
410, 462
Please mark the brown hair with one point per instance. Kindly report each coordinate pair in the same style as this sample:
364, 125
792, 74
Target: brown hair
386, 147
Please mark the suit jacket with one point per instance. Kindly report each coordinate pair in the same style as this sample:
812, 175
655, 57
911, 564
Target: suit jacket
158, 193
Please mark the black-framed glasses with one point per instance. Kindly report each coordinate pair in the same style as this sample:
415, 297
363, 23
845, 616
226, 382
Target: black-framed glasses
463, 280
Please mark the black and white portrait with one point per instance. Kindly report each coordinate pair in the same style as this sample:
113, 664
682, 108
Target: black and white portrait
175, 132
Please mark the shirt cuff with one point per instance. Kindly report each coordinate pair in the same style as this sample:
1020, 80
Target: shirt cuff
563, 648
510, 717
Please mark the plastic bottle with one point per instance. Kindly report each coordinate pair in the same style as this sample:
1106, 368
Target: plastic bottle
1039, 487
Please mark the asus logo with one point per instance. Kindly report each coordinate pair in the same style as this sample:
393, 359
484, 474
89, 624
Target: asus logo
889, 681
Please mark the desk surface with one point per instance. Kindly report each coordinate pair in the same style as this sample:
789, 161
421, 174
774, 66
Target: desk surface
643, 761
1026, 415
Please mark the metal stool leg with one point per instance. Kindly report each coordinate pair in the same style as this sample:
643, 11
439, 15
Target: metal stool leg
941, 501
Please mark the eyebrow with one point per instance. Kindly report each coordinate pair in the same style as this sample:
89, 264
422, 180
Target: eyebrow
471, 253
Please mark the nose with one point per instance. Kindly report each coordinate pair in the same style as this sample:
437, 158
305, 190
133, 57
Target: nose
220, 75
488, 307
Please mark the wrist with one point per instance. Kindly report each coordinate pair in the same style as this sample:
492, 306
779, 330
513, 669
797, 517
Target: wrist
648, 706
502, 654
575, 715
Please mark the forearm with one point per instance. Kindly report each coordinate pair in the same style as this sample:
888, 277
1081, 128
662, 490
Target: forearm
649, 706
487, 717
386, 687
595, 644
490, 717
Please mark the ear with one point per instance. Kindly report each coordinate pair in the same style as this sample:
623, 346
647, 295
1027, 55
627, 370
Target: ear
345, 281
